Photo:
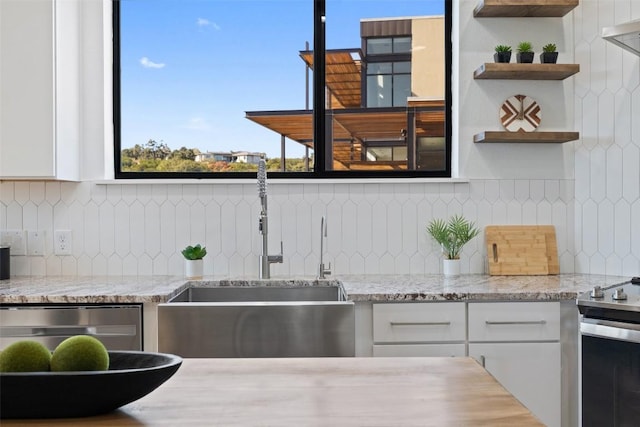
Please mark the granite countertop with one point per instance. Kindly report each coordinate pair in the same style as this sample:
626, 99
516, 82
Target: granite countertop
381, 288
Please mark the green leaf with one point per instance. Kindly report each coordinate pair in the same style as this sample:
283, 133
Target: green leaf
452, 235
194, 252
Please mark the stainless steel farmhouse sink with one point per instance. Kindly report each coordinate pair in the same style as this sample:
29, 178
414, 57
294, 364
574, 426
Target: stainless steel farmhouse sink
258, 321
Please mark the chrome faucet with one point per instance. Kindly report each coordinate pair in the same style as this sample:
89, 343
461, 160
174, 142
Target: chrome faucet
323, 233
263, 225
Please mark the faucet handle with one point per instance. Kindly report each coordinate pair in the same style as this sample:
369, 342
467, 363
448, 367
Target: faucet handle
324, 271
276, 258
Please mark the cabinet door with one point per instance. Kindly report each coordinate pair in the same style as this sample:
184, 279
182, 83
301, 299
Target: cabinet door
40, 84
26, 84
529, 371
419, 350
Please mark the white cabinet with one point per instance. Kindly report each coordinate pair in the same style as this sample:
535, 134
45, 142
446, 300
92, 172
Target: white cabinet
419, 329
39, 89
519, 344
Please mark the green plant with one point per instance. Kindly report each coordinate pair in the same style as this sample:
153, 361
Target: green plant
549, 48
503, 48
452, 235
194, 252
525, 47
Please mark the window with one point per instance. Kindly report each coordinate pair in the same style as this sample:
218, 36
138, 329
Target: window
388, 84
206, 88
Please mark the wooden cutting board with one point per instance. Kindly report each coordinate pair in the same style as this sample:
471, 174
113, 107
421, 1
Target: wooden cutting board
522, 250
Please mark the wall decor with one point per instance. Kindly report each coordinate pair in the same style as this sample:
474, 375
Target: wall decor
520, 113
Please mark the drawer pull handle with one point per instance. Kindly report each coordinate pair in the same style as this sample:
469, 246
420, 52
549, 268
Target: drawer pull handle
420, 323
516, 322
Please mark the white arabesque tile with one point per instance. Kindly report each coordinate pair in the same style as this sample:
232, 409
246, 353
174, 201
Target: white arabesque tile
614, 173
379, 227
52, 192
136, 229
122, 229
91, 230
107, 229
152, 229
605, 228
36, 192
622, 228
631, 172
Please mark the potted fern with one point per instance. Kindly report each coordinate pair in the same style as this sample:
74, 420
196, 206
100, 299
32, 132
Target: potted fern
194, 264
549, 54
452, 235
502, 54
525, 53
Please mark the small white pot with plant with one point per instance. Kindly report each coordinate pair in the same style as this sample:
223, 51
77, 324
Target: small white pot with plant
452, 235
194, 264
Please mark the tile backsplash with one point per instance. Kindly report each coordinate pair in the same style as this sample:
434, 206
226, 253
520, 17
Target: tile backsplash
139, 229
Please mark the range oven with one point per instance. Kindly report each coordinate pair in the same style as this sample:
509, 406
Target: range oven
610, 355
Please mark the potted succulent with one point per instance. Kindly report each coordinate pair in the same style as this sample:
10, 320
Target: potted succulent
452, 235
549, 54
503, 53
525, 53
194, 264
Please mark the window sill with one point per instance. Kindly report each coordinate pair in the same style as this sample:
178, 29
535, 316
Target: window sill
231, 181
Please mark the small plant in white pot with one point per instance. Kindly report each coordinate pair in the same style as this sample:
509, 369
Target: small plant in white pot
194, 265
452, 235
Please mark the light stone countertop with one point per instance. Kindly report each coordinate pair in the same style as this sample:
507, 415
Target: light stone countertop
381, 288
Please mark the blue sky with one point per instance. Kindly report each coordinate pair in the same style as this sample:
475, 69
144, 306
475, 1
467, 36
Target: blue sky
191, 68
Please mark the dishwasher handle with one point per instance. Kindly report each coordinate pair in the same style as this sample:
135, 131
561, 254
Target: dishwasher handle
59, 331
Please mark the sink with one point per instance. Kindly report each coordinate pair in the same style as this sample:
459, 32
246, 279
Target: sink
258, 321
260, 293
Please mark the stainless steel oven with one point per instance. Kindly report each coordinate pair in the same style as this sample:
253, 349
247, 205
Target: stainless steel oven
610, 355
117, 326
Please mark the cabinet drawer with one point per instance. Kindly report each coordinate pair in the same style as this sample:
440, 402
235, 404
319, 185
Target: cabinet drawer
517, 321
419, 322
419, 350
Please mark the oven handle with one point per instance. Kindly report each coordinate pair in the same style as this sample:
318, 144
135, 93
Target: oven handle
610, 329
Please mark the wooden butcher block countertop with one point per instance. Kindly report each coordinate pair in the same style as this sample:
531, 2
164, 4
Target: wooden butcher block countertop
421, 391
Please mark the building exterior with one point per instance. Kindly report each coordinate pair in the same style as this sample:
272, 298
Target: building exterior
385, 99
230, 157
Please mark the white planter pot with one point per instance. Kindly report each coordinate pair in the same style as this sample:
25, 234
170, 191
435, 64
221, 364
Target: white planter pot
451, 267
193, 268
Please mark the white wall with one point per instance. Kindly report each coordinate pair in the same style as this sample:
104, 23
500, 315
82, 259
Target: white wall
607, 159
373, 227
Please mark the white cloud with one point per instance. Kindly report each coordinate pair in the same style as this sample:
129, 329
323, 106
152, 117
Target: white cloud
147, 63
203, 22
198, 123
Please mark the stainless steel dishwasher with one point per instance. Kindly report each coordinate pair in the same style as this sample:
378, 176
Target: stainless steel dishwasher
117, 326
261, 321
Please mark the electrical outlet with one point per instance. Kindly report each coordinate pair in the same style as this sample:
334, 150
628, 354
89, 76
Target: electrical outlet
62, 242
15, 239
35, 243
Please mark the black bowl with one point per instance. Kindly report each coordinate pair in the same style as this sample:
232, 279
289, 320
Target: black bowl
131, 375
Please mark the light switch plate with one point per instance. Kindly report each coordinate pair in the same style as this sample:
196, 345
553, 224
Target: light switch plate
15, 239
35, 243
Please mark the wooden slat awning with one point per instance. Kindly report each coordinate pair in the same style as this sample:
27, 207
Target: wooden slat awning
342, 74
363, 124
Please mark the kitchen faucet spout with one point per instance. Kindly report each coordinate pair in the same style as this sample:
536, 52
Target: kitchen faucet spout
263, 225
323, 234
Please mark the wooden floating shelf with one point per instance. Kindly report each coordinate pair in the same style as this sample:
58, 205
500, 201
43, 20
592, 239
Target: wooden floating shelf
524, 8
516, 71
523, 137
